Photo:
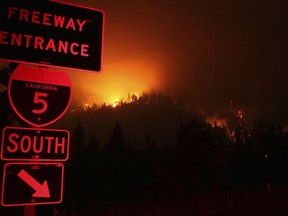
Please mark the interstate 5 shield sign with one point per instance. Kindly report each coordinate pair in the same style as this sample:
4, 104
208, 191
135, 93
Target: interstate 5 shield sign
39, 96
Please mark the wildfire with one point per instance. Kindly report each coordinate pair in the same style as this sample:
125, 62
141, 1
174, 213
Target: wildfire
116, 103
116, 84
240, 114
214, 121
87, 105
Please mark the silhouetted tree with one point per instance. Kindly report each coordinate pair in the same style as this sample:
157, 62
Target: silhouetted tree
203, 152
239, 135
93, 144
92, 108
116, 141
153, 98
193, 135
145, 98
133, 98
151, 149
77, 140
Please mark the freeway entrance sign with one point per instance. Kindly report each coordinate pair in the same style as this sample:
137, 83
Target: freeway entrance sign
51, 33
28, 144
32, 184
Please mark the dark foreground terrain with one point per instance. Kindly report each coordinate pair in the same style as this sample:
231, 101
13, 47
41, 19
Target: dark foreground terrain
222, 203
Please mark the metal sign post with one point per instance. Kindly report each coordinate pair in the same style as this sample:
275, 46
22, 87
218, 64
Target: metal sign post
30, 210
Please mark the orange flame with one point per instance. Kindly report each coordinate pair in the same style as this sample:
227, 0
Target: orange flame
214, 121
115, 83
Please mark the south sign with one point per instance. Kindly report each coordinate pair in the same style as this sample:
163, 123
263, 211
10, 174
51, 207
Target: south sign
39, 96
51, 33
35, 144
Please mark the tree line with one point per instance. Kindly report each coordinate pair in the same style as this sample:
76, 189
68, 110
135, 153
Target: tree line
205, 157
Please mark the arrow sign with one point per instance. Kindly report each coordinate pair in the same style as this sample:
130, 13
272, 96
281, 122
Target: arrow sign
42, 190
27, 183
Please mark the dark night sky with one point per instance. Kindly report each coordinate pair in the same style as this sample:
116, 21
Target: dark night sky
206, 52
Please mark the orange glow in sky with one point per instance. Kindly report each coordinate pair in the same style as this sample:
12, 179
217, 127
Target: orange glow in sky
114, 83
204, 53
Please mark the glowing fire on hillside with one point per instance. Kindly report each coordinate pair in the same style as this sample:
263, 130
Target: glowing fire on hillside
117, 101
111, 87
214, 121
